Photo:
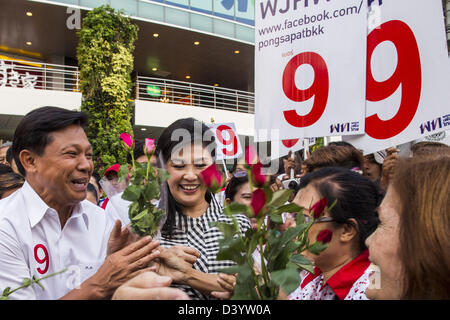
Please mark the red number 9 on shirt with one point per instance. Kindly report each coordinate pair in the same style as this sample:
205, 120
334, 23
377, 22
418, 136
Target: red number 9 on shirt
408, 74
232, 140
318, 90
44, 260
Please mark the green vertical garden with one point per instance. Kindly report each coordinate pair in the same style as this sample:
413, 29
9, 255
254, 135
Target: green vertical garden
105, 59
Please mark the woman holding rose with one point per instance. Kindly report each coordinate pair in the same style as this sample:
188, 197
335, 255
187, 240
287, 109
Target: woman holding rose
342, 270
186, 148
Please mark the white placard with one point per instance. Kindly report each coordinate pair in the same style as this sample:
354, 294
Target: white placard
281, 148
310, 64
408, 84
227, 140
441, 137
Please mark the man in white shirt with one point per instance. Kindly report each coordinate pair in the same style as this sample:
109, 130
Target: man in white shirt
48, 226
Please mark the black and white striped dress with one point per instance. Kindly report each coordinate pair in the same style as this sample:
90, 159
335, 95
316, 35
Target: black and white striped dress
196, 233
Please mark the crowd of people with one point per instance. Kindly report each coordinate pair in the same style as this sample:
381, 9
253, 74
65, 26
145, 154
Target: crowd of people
390, 223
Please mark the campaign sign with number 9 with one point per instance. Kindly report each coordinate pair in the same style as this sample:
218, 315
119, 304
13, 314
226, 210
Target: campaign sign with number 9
412, 102
41, 257
318, 90
408, 75
310, 68
227, 140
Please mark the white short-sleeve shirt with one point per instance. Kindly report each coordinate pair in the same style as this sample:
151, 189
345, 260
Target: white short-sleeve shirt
33, 244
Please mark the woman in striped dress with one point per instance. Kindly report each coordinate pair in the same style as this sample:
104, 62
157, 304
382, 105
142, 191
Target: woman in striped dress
191, 245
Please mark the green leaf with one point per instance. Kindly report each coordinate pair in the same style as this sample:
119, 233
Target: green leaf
231, 249
6, 291
131, 193
307, 267
123, 172
227, 229
140, 215
280, 197
300, 218
27, 282
133, 209
245, 284
317, 247
288, 279
151, 190
279, 261
291, 207
275, 218
300, 259
235, 208
251, 238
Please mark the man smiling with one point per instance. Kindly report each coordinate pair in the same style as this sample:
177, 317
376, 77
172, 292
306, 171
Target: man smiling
48, 226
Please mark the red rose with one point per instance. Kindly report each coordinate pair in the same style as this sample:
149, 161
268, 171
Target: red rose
318, 207
127, 140
325, 236
258, 201
258, 178
251, 157
212, 178
149, 145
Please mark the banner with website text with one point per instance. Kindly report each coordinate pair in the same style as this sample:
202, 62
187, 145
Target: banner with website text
310, 62
408, 74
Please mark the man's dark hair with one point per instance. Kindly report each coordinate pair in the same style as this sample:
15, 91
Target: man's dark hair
9, 180
91, 188
33, 132
9, 156
97, 178
137, 151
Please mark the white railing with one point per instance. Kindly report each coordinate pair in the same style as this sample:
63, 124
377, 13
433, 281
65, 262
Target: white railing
187, 93
37, 75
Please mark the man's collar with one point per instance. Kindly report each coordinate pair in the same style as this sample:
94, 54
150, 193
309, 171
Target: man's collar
37, 208
342, 281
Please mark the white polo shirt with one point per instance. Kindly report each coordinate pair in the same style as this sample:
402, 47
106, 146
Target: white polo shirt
32, 243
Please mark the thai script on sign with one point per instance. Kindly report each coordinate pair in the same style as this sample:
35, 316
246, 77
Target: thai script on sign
12, 78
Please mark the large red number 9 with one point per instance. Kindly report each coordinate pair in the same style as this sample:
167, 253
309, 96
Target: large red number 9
319, 88
45, 259
408, 74
231, 141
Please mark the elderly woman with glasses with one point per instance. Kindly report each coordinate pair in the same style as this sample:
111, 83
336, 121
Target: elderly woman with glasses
342, 270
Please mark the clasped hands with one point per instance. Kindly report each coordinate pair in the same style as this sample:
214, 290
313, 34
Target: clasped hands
129, 256
177, 263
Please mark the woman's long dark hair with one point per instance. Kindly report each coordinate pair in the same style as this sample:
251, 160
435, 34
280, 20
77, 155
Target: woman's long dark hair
179, 133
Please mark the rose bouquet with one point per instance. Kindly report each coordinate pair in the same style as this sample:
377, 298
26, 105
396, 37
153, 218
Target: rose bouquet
279, 253
141, 191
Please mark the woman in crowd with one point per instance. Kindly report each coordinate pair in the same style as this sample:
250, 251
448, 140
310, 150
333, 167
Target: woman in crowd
371, 168
335, 155
238, 190
411, 245
341, 270
92, 195
9, 181
190, 208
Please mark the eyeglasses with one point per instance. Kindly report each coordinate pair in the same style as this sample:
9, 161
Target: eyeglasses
309, 219
240, 174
